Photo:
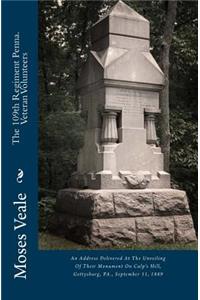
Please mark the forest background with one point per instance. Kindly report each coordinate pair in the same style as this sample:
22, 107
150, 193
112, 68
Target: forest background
64, 41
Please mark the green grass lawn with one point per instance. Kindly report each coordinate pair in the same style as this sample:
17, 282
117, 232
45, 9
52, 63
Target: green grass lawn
48, 241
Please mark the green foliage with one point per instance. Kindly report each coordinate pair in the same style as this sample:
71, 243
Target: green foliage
184, 141
64, 131
59, 148
184, 157
184, 60
63, 48
46, 211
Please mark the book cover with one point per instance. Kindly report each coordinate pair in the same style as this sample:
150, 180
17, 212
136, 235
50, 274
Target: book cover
99, 194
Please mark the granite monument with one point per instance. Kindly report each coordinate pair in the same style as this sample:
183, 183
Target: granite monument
120, 194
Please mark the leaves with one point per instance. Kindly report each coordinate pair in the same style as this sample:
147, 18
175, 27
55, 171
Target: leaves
184, 156
64, 44
184, 140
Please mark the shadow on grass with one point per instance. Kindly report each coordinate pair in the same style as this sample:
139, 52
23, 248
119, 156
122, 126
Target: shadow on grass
48, 241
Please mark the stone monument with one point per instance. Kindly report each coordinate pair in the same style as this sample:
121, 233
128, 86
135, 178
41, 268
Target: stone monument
120, 193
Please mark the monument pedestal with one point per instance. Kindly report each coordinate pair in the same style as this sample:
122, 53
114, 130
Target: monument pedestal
106, 218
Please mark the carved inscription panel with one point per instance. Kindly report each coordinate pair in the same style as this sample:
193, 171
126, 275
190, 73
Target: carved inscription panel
132, 104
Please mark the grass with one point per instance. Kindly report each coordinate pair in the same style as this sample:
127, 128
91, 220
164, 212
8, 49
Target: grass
48, 241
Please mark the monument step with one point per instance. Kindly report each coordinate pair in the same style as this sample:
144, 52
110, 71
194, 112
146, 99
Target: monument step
123, 232
122, 203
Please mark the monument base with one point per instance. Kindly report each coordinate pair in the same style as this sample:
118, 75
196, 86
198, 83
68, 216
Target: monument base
106, 218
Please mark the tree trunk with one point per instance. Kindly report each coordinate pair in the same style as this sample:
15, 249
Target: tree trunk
164, 96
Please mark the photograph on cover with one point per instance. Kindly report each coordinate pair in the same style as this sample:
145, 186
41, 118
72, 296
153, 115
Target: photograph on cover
118, 125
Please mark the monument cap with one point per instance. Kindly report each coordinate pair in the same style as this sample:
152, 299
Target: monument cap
131, 24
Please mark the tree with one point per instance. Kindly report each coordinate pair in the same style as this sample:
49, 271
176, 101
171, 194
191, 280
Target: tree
171, 10
63, 47
64, 44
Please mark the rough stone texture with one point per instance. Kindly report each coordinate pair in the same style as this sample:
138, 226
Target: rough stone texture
184, 229
170, 202
152, 230
86, 203
95, 232
106, 218
105, 203
102, 205
122, 203
67, 200
125, 231
75, 228
113, 232
133, 204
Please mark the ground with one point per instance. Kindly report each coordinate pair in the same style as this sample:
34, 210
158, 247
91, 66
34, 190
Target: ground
48, 241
